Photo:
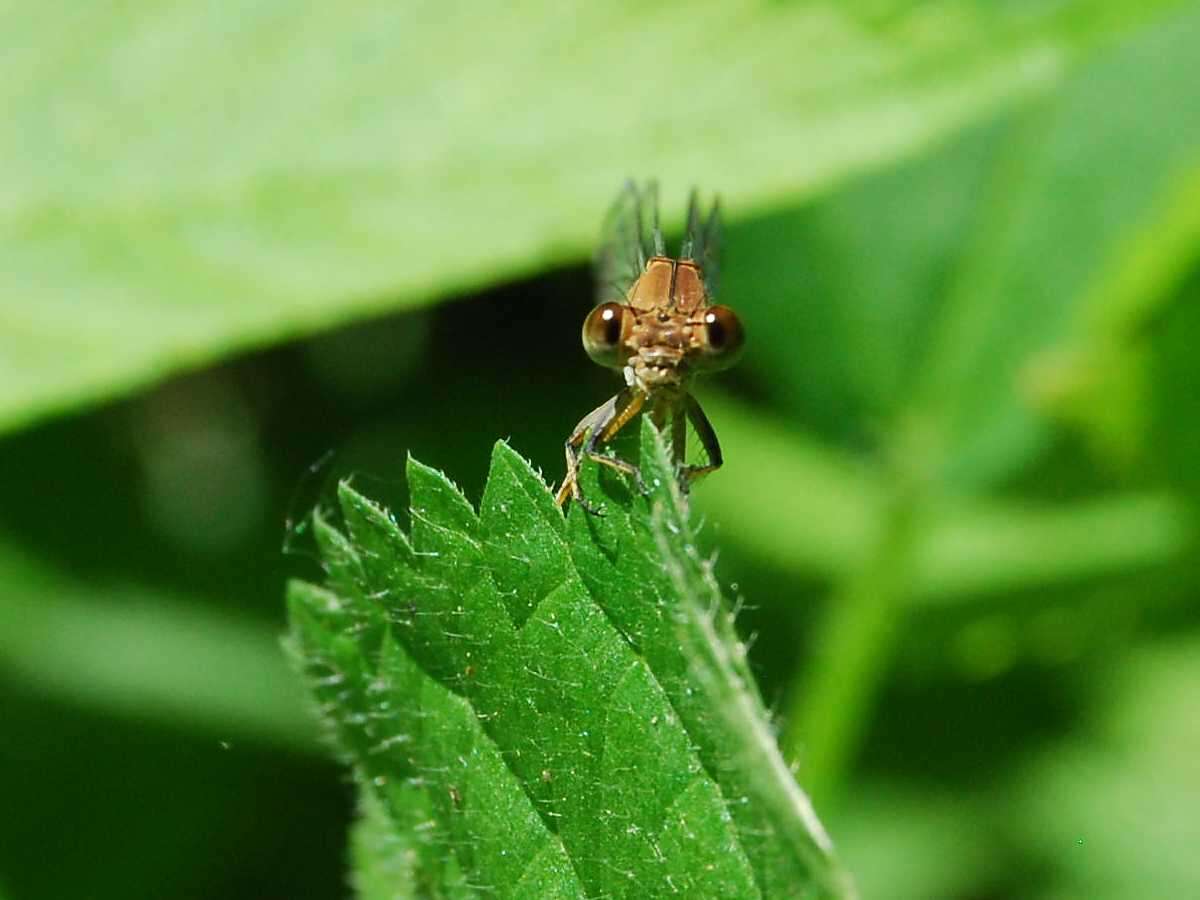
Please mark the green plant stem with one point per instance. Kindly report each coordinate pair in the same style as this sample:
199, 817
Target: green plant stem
851, 651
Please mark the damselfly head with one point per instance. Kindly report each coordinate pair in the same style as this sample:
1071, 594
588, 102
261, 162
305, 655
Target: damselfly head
657, 321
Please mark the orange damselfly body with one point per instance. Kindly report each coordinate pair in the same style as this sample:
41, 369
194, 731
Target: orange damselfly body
657, 325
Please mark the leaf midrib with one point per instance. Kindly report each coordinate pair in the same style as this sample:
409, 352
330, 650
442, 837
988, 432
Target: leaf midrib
572, 579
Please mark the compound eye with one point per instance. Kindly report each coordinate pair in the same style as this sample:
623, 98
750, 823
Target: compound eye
604, 333
722, 338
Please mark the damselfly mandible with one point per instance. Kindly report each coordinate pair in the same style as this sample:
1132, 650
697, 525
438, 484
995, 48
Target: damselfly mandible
657, 325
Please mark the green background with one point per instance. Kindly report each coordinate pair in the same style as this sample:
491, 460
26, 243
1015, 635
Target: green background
961, 483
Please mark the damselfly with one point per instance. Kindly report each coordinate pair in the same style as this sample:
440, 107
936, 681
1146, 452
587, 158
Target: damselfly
657, 325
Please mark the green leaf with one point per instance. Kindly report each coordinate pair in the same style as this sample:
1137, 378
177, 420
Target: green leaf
1117, 375
1115, 807
184, 182
540, 707
786, 501
808, 510
1175, 437
1084, 185
143, 653
383, 861
928, 302
916, 324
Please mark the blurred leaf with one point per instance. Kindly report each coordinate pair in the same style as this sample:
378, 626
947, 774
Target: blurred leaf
998, 547
1117, 812
907, 843
550, 708
923, 298
785, 498
887, 545
1174, 427
182, 182
839, 296
903, 338
141, 654
803, 509
1120, 375
1086, 180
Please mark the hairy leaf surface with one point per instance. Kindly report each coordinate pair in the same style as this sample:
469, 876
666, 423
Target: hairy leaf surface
547, 707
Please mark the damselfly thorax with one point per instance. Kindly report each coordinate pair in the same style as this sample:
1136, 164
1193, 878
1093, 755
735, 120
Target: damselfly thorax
659, 335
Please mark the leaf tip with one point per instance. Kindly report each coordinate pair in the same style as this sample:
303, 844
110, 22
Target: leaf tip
431, 489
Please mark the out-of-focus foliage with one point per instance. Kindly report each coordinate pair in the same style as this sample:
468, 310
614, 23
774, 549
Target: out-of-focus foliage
161, 657
939, 294
961, 487
184, 181
1116, 807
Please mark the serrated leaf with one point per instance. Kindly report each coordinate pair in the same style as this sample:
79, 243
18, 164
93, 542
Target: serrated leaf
176, 188
382, 857
548, 708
